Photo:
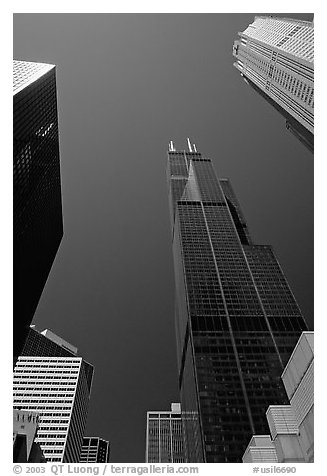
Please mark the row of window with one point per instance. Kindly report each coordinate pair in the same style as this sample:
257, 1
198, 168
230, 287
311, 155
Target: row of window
44, 421
39, 386
50, 360
37, 364
43, 394
32, 369
35, 406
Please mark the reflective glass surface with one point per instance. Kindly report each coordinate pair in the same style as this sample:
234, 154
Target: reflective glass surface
237, 321
37, 220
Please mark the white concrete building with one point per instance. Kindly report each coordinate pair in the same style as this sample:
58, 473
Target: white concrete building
276, 57
291, 426
164, 436
95, 450
58, 388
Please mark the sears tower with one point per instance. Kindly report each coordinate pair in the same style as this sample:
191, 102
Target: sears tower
237, 321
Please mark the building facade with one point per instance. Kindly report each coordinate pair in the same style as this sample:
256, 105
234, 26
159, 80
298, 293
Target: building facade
56, 384
95, 450
237, 321
291, 426
37, 218
276, 58
164, 436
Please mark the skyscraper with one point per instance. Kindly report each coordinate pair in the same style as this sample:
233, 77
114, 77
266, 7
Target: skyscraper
276, 58
52, 380
237, 320
37, 220
164, 436
95, 450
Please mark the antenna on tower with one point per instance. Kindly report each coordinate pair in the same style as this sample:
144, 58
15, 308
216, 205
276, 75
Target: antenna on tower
191, 147
171, 147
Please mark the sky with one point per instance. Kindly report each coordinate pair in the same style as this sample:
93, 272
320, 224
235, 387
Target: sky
127, 84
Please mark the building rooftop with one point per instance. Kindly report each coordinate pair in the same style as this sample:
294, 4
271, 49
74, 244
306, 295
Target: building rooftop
26, 72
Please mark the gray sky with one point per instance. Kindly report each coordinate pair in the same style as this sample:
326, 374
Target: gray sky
127, 84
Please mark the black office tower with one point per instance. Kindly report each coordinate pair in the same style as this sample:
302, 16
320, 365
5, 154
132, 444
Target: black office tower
237, 321
37, 220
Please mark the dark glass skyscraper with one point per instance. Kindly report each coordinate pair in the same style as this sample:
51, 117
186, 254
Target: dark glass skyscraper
237, 321
37, 220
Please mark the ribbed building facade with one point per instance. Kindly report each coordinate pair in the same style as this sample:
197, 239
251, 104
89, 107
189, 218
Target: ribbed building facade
37, 217
95, 450
164, 436
237, 320
276, 57
57, 386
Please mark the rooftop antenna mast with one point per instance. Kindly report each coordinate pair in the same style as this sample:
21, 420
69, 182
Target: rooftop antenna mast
171, 147
191, 148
